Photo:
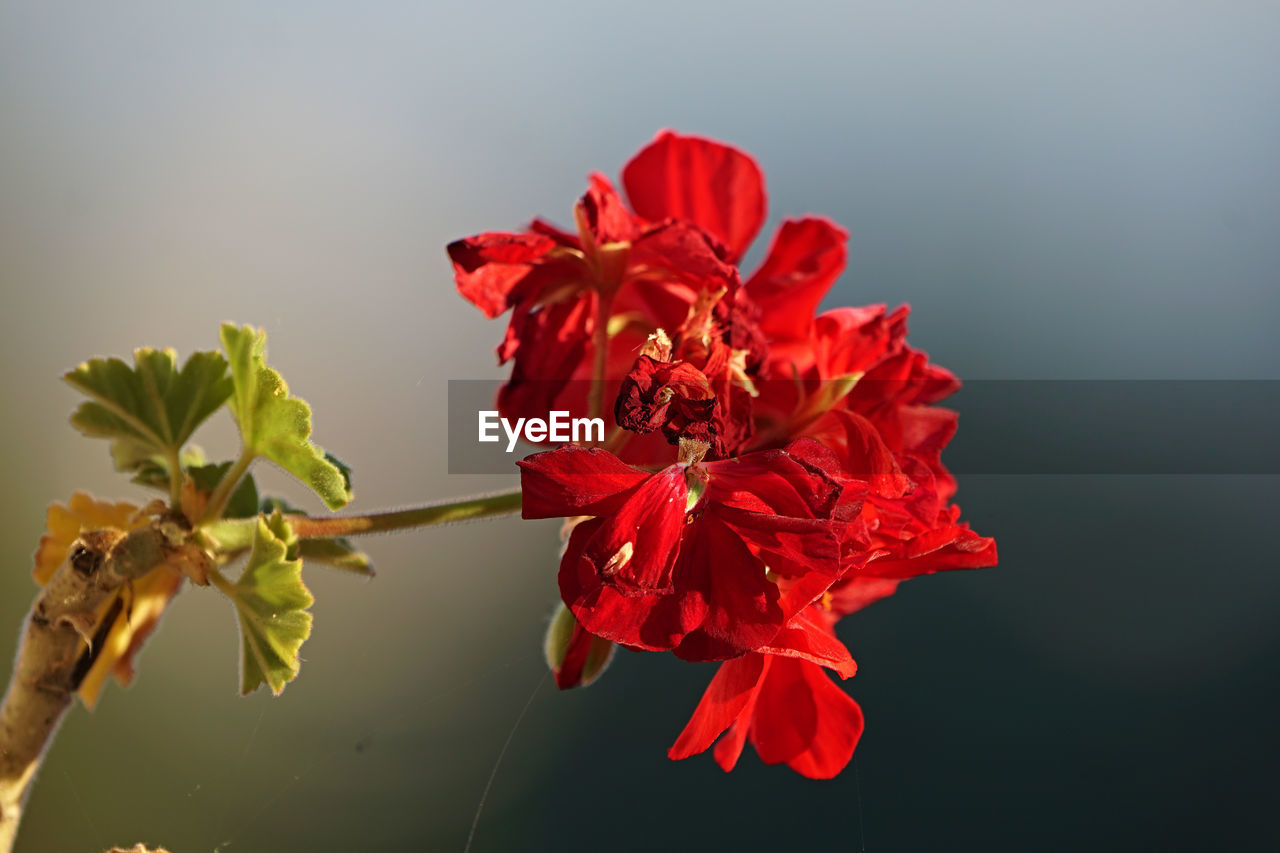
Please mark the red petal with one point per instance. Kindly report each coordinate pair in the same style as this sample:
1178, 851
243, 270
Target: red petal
555, 232
804, 720
576, 481
548, 344
863, 452
772, 481
949, 547
718, 188
635, 548
849, 341
806, 258
488, 267
742, 611
728, 698
789, 546
856, 593
684, 253
926, 429
807, 639
652, 622
607, 217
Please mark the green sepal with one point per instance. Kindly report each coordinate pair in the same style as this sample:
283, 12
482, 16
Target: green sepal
271, 602
151, 408
555, 647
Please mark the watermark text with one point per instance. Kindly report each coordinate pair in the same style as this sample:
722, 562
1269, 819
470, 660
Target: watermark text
557, 427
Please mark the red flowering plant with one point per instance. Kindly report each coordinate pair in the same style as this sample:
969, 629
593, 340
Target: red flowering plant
764, 471
768, 469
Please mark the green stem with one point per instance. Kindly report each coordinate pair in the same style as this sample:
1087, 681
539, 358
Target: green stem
485, 506
174, 461
221, 583
222, 494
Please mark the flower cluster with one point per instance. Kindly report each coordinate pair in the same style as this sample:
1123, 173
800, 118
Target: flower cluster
768, 470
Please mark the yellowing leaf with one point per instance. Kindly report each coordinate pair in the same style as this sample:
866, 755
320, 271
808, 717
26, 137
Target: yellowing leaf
143, 603
65, 523
272, 603
140, 605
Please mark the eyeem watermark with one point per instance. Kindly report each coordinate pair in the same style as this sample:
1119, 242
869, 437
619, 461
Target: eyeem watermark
1013, 426
558, 427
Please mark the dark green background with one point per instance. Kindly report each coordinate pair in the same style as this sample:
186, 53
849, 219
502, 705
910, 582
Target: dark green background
1085, 192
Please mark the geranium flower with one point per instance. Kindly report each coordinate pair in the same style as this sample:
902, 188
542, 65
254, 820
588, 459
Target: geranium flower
809, 479
563, 290
698, 204
688, 558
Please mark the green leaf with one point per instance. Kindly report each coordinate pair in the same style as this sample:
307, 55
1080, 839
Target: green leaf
243, 502
152, 408
343, 469
229, 536
273, 424
336, 553
272, 603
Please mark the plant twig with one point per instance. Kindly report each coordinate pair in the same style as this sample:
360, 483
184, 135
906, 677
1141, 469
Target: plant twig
59, 646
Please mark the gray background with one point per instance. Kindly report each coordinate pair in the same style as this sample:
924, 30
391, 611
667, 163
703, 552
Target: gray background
1081, 192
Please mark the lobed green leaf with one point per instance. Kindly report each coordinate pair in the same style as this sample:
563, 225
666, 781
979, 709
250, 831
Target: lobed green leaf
275, 425
271, 602
152, 408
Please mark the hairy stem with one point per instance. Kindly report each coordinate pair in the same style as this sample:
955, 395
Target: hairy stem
57, 651
174, 462
222, 493
486, 506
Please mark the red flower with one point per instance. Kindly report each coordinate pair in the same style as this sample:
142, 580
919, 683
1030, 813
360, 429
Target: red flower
698, 204
688, 558
561, 289
810, 479
782, 700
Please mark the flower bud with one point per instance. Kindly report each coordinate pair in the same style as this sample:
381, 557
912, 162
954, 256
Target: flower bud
575, 656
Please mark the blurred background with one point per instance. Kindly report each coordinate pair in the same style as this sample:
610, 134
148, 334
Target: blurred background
1086, 192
